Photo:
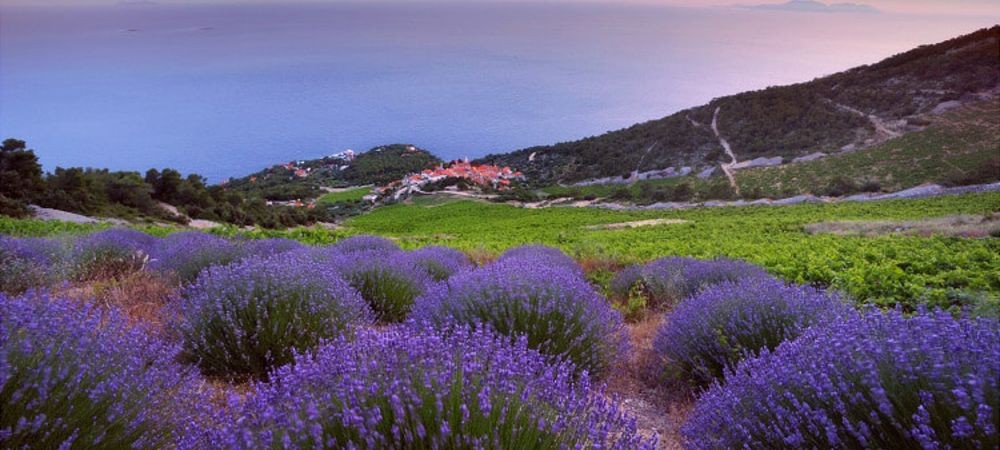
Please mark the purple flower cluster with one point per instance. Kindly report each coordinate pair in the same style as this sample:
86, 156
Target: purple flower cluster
416, 388
184, 255
249, 317
387, 280
109, 254
626, 282
270, 247
27, 263
364, 243
874, 381
74, 376
669, 280
541, 255
440, 263
559, 313
729, 321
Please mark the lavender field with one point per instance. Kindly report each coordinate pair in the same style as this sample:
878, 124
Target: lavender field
118, 339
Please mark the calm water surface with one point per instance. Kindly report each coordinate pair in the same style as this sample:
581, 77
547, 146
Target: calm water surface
225, 90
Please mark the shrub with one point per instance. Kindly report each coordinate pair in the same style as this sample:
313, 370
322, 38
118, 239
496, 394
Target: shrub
415, 388
386, 280
558, 312
872, 381
109, 254
74, 376
270, 247
249, 317
727, 322
439, 262
531, 254
363, 243
184, 255
669, 280
625, 281
27, 263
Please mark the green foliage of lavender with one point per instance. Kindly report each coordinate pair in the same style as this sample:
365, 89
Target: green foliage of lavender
184, 255
27, 263
556, 310
415, 388
667, 281
439, 263
108, 254
247, 318
387, 280
873, 381
74, 376
730, 321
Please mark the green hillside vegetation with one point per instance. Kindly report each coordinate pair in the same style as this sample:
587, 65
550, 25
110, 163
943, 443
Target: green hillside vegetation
787, 121
378, 166
349, 195
959, 147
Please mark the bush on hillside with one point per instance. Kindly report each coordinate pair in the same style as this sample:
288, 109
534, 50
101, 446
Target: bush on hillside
555, 309
27, 263
439, 262
250, 317
669, 280
387, 280
107, 254
730, 321
872, 381
416, 388
74, 376
184, 255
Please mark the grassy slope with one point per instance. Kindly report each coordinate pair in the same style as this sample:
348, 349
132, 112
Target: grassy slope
344, 196
885, 269
956, 144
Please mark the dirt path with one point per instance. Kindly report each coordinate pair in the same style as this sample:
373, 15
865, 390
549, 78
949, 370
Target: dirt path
635, 173
658, 408
882, 131
727, 168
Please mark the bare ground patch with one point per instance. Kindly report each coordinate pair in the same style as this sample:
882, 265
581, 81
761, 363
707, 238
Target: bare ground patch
973, 226
659, 408
636, 224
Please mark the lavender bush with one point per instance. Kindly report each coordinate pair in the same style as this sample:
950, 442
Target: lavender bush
439, 262
729, 321
364, 243
249, 317
109, 254
184, 255
417, 389
557, 311
669, 280
542, 255
73, 376
878, 381
386, 280
270, 247
27, 263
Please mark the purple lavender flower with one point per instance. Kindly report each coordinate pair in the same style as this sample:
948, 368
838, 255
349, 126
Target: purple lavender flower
74, 376
27, 263
625, 281
872, 381
364, 243
249, 317
270, 247
416, 388
109, 254
439, 262
186, 254
558, 311
387, 280
541, 254
729, 321
669, 280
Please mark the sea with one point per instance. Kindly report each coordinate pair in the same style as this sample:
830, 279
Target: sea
227, 89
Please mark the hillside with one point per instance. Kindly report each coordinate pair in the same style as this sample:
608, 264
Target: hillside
856, 109
307, 178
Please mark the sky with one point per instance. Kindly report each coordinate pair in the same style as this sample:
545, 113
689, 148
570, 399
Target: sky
951, 7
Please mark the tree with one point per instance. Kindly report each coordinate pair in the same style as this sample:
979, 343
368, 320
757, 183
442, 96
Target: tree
20, 177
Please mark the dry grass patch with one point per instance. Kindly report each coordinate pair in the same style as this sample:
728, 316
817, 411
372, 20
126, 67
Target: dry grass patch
971, 226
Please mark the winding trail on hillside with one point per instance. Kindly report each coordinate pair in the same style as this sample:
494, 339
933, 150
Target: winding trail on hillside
882, 131
727, 168
635, 173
